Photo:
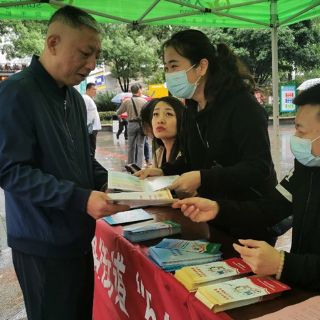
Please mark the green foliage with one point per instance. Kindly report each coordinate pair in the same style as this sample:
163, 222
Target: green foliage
22, 38
107, 116
129, 54
103, 101
157, 77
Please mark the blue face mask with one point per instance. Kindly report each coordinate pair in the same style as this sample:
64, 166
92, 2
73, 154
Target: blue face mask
301, 149
178, 84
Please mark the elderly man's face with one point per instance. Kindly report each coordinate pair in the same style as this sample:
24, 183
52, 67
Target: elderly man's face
76, 54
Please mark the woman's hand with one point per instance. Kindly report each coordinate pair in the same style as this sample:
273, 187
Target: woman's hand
142, 174
198, 209
260, 256
188, 183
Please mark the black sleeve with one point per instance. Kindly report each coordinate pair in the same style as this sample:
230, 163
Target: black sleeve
254, 168
266, 211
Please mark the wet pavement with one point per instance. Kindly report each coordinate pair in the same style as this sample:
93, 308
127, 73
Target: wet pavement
112, 154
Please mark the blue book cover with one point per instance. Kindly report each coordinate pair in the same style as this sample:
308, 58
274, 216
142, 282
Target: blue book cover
166, 257
198, 246
175, 267
128, 216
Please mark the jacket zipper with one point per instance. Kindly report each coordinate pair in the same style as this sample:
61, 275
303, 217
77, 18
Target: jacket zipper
65, 118
305, 213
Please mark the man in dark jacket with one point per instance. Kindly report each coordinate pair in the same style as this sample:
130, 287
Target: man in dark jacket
297, 196
48, 175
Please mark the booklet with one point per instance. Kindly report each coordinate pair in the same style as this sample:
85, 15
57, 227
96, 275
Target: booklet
127, 182
194, 277
166, 257
146, 231
190, 246
128, 216
142, 199
240, 292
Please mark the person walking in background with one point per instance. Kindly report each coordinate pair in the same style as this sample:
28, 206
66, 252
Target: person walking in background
226, 150
135, 138
297, 196
123, 124
93, 118
49, 178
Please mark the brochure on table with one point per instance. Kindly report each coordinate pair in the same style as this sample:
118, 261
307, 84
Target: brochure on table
128, 216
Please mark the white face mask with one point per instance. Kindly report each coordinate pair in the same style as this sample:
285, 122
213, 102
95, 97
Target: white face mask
301, 149
178, 84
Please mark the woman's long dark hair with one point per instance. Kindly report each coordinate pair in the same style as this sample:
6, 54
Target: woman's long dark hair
147, 111
225, 74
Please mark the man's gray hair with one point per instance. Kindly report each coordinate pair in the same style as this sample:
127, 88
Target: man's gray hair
75, 18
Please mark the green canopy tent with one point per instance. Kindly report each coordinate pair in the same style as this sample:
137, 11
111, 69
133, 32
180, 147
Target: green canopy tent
205, 13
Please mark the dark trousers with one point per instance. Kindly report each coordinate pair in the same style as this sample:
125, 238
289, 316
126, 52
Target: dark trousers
93, 141
123, 125
56, 289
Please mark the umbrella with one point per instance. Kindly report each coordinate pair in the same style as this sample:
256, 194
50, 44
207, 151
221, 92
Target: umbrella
118, 98
308, 83
124, 95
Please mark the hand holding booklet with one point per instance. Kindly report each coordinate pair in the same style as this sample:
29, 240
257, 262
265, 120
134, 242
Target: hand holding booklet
127, 182
142, 199
151, 191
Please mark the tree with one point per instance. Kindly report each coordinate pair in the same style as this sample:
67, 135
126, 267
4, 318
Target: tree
297, 49
129, 54
22, 38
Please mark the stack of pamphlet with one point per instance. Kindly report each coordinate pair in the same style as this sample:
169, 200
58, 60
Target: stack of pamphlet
240, 292
173, 254
147, 231
193, 277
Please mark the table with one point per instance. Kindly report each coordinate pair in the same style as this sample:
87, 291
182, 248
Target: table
129, 286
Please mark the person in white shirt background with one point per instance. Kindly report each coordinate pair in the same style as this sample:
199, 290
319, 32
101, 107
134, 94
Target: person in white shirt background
93, 119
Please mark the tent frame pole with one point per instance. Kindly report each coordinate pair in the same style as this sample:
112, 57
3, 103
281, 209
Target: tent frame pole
275, 83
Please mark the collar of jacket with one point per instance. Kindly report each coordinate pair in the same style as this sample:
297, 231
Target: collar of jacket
46, 77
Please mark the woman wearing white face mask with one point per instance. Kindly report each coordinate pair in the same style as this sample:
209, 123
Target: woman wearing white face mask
226, 150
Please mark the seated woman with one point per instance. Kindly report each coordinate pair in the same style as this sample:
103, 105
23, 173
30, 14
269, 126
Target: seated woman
161, 119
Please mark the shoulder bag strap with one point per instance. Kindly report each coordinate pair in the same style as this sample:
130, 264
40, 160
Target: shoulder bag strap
136, 112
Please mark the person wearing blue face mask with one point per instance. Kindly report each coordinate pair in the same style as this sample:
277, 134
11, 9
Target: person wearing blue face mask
226, 148
298, 195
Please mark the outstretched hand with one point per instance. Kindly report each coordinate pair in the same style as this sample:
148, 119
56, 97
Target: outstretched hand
187, 183
142, 174
198, 209
98, 206
260, 256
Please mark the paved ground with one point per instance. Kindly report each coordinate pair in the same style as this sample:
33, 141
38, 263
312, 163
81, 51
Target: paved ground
112, 154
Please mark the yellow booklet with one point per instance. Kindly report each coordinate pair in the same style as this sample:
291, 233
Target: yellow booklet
240, 292
193, 277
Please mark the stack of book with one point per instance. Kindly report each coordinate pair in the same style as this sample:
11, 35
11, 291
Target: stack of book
147, 231
173, 254
240, 292
193, 277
